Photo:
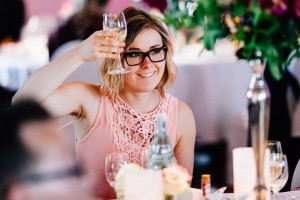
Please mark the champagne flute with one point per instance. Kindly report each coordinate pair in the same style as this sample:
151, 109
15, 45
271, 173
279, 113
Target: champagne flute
113, 21
113, 162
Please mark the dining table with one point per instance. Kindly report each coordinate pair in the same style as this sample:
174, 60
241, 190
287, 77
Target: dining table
196, 194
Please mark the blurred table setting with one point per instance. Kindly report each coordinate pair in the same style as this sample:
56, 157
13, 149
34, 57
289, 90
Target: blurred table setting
19, 60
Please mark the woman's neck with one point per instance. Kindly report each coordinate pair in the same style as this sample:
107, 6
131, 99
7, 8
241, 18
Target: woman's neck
142, 102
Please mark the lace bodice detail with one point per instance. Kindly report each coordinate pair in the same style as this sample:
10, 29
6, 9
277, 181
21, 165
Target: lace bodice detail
133, 131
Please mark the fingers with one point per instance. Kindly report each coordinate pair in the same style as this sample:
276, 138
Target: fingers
106, 55
109, 49
108, 38
101, 44
107, 33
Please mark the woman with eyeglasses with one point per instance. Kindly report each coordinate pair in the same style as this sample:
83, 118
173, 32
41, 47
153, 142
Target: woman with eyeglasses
119, 114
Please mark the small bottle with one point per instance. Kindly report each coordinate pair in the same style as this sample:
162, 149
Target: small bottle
161, 149
205, 182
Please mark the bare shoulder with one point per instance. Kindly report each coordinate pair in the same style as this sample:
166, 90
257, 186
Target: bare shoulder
186, 121
184, 111
186, 134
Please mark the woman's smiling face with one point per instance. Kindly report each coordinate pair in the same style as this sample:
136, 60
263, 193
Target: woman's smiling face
145, 76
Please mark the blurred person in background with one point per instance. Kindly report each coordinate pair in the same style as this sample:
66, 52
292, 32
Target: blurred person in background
79, 26
12, 16
37, 161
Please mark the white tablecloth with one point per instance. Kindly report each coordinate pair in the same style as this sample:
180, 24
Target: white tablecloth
14, 71
196, 194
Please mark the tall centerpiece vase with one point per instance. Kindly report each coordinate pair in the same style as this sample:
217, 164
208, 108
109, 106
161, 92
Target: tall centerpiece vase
258, 97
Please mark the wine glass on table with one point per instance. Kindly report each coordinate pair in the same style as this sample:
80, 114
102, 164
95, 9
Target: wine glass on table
112, 21
114, 162
279, 172
145, 154
275, 147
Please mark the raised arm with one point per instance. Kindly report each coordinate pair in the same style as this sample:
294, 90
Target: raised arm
47, 79
186, 134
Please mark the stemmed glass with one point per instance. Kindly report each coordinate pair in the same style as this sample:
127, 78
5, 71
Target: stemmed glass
113, 162
279, 172
117, 21
146, 151
274, 146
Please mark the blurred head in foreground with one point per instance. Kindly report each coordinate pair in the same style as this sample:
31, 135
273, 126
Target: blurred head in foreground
12, 16
37, 161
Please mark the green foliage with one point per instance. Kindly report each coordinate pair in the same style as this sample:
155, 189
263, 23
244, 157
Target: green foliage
275, 37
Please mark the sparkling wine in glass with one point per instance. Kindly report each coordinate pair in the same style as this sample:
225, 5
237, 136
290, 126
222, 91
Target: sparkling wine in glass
117, 21
279, 172
113, 162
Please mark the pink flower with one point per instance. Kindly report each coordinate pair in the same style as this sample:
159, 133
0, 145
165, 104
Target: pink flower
297, 8
176, 179
277, 7
284, 9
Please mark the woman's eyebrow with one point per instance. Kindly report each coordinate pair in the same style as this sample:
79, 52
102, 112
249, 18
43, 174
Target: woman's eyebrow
154, 46
130, 49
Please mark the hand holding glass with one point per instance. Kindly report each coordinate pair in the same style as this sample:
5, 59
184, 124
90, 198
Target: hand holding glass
117, 21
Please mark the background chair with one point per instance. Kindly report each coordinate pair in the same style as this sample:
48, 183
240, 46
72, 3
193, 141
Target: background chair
210, 159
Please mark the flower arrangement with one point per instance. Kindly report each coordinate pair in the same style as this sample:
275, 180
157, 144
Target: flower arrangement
175, 179
131, 167
264, 29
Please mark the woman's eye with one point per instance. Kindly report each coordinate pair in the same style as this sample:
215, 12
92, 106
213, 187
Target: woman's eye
155, 51
133, 54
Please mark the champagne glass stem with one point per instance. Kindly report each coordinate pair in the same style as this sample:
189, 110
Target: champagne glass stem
120, 65
274, 193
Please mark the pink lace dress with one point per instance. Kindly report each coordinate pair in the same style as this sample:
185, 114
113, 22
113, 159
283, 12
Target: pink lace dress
119, 128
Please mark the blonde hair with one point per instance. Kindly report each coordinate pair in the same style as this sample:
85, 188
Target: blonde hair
138, 20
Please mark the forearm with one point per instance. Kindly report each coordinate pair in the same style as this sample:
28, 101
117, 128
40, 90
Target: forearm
101, 44
45, 80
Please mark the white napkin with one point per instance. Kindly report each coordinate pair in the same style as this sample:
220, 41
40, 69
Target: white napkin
144, 184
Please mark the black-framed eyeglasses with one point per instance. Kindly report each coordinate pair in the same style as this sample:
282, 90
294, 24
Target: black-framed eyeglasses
75, 171
136, 57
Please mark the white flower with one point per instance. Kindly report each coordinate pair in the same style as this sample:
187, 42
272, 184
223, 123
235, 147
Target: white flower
120, 177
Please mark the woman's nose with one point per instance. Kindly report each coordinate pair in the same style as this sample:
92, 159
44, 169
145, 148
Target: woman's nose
147, 62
